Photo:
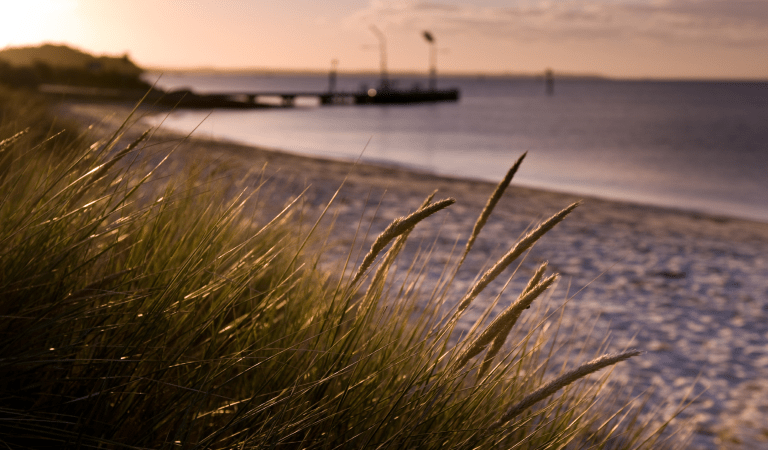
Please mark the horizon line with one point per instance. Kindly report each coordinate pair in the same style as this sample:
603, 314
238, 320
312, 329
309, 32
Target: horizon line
447, 74
371, 72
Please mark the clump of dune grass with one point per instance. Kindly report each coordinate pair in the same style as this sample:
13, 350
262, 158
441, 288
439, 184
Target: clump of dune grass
161, 316
22, 110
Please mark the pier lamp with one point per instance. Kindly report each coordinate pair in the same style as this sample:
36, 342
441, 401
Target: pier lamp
383, 56
432, 60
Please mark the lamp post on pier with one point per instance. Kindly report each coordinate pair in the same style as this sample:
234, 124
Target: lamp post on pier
383, 56
432, 60
332, 76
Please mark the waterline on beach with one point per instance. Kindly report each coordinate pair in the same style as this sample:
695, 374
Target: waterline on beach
692, 146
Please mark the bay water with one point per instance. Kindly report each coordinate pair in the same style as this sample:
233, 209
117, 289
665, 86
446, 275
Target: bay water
692, 145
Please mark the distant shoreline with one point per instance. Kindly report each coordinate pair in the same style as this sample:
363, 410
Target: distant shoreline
443, 75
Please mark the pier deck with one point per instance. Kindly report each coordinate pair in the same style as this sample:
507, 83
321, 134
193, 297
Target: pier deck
288, 99
239, 100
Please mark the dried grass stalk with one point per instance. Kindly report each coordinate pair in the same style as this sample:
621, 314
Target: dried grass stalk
395, 229
99, 171
536, 278
389, 258
561, 382
501, 338
400, 241
523, 245
504, 321
489, 206
8, 141
106, 166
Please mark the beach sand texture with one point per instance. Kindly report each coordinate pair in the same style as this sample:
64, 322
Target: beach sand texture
689, 289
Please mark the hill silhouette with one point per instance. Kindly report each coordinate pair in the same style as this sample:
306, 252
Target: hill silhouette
63, 72
64, 57
31, 67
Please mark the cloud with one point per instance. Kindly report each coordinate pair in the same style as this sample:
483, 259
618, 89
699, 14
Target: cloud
720, 22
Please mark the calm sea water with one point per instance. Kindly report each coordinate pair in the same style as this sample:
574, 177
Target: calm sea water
699, 146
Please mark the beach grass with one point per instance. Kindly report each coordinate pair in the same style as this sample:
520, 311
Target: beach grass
139, 311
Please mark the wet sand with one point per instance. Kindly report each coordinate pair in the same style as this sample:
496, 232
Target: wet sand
689, 289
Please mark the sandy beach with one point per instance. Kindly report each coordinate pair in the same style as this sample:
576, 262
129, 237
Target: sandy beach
689, 289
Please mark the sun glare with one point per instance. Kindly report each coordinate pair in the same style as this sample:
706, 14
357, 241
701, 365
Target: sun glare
32, 21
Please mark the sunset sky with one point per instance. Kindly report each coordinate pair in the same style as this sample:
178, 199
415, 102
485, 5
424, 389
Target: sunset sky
618, 38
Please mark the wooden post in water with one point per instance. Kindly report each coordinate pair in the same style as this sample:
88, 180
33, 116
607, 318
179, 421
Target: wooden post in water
332, 76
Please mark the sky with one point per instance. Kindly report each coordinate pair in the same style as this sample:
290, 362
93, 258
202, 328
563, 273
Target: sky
616, 38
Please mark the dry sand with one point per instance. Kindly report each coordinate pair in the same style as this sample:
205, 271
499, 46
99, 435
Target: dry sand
689, 289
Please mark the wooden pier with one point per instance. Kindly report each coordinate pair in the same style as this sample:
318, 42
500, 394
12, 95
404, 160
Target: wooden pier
247, 100
288, 99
